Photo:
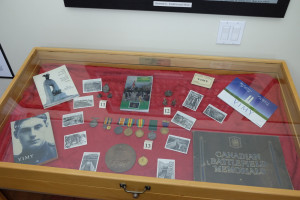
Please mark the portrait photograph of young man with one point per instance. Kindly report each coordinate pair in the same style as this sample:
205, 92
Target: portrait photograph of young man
33, 140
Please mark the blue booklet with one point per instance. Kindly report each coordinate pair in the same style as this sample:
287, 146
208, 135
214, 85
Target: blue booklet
248, 102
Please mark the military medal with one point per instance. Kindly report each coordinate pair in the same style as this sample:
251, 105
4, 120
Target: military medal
94, 122
139, 133
164, 130
128, 132
105, 88
118, 130
173, 103
165, 102
152, 135
107, 122
168, 93
143, 161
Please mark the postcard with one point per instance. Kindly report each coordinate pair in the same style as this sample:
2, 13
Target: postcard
83, 102
55, 86
183, 120
215, 113
176, 143
248, 102
92, 85
165, 168
75, 140
72, 119
89, 161
193, 100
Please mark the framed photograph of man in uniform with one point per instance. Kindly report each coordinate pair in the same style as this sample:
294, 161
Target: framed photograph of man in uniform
261, 8
33, 140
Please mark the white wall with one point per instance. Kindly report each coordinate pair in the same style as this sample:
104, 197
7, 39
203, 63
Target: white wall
47, 23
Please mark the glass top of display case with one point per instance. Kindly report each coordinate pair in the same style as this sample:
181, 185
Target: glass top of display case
207, 119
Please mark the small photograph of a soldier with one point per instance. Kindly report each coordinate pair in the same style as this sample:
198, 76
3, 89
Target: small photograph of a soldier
33, 140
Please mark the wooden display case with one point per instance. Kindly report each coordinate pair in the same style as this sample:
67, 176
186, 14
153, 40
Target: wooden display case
104, 185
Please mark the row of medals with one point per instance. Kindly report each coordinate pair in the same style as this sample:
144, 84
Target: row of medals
128, 132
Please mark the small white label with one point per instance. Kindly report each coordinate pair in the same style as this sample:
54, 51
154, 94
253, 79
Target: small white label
148, 144
172, 4
102, 103
167, 110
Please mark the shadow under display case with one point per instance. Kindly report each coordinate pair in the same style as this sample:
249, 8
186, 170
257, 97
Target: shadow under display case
123, 125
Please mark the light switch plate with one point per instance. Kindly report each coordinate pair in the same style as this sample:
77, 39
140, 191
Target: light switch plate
230, 32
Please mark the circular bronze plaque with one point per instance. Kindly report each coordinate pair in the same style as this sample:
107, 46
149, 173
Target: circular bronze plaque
120, 158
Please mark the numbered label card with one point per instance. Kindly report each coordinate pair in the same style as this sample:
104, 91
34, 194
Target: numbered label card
167, 110
148, 144
102, 103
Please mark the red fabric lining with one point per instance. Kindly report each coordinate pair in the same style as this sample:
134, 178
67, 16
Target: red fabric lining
100, 140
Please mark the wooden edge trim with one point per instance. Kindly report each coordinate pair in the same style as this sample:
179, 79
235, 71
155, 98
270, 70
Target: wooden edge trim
65, 176
133, 53
291, 84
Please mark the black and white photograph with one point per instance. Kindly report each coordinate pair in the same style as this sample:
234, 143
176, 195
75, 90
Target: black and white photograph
179, 144
5, 69
89, 161
83, 102
165, 168
92, 85
193, 100
215, 113
183, 120
75, 140
55, 86
72, 119
33, 141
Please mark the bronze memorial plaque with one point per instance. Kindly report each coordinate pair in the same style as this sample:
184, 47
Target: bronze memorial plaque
241, 159
120, 158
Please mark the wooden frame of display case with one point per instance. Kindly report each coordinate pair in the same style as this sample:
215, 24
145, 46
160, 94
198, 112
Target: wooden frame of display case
100, 185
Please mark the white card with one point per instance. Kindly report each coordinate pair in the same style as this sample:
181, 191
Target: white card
148, 144
102, 103
167, 110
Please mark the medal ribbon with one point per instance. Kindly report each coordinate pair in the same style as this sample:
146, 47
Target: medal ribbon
121, 121
130, 122
140, 123
165, 123
153, 125
107, 120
